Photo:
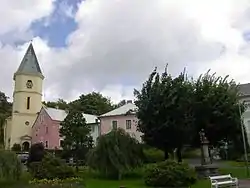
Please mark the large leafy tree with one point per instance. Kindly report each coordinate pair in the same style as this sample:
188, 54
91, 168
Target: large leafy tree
172, 111
164, 111
76, 134
115, 153
60, 104
92, 103
5, 112
217, 109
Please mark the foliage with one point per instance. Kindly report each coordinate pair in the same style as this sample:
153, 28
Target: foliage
171, 109
5, 112
115, 153
216, 106
76, 133
60, 104
57, 183
153, 155
50, 168
16, 147
164, 110
170, 174
36, 153
92, 103
10, 166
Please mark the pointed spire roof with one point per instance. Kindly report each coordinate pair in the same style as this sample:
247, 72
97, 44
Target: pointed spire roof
29, 63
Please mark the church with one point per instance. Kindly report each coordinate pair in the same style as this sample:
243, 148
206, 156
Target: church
24, 126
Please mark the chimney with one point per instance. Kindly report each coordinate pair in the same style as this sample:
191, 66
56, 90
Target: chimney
129, 101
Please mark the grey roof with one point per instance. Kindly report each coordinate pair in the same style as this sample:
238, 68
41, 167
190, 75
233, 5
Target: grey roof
244, 89
60, 115
121, 110
29, 63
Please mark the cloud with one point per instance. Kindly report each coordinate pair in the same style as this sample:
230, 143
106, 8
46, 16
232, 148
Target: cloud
118, 43
18, 15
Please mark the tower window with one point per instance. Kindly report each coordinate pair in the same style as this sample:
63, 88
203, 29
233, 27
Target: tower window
28, 103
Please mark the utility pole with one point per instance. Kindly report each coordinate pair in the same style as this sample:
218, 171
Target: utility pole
244, 141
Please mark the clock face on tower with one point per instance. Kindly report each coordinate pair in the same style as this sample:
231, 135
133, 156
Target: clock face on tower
29, 84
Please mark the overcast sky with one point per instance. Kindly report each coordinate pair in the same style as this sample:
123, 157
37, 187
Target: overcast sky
111, 46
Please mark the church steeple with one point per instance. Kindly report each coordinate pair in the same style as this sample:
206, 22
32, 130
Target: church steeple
29, 64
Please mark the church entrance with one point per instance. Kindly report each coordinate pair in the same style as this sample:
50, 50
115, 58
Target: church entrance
26, 146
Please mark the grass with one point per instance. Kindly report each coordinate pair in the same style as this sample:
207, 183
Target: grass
136, 182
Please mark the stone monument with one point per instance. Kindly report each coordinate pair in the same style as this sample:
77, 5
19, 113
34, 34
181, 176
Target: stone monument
207, 168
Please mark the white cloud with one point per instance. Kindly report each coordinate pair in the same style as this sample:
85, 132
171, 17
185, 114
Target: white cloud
18, 15
118, 43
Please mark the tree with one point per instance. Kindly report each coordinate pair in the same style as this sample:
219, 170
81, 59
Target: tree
5, 112
216, 109
115, 153
60, 104
164, 111
92, 103
76, 134
121, 103
172, 111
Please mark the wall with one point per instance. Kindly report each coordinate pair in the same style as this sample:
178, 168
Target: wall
106, 124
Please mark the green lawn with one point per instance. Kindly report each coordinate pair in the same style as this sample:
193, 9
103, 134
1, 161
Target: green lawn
128, 183
96, 183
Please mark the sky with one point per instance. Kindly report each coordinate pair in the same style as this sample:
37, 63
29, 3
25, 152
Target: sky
111, 46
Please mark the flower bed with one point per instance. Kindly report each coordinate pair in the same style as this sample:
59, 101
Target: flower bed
57, 183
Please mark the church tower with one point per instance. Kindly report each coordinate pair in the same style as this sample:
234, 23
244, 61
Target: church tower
27, 99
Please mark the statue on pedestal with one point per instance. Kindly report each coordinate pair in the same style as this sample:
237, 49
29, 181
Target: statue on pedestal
206, 168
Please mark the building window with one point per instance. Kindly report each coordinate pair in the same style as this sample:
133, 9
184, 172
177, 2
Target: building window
47, 130
114, 124
46, 144
28, 103
93, 128
128, 124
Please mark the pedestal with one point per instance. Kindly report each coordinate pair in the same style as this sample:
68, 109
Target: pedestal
204, 171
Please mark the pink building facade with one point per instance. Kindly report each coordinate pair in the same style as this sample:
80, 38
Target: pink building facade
47, 125
123, 117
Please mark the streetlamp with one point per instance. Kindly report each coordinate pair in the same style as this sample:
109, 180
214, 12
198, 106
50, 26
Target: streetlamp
244, 141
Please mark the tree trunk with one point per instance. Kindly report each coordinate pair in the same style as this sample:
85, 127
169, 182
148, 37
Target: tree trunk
166, 155
179, 156
77, 169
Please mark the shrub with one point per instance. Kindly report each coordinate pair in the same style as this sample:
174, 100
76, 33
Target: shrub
50, 168
16, 147
153, 155
170, 174
36, 153
10, 165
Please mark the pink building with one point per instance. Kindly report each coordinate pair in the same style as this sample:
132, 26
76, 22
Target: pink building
123, 117
47, 125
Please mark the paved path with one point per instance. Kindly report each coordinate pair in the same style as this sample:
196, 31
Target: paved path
244, 183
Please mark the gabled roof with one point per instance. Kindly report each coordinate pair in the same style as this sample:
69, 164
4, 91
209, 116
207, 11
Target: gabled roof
244, 89
60, 115
129, 107
29, 63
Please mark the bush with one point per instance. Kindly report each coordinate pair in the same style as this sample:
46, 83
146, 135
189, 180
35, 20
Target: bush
10, 166
170, 174
16, 147
50, 168
36, 153
153, 155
